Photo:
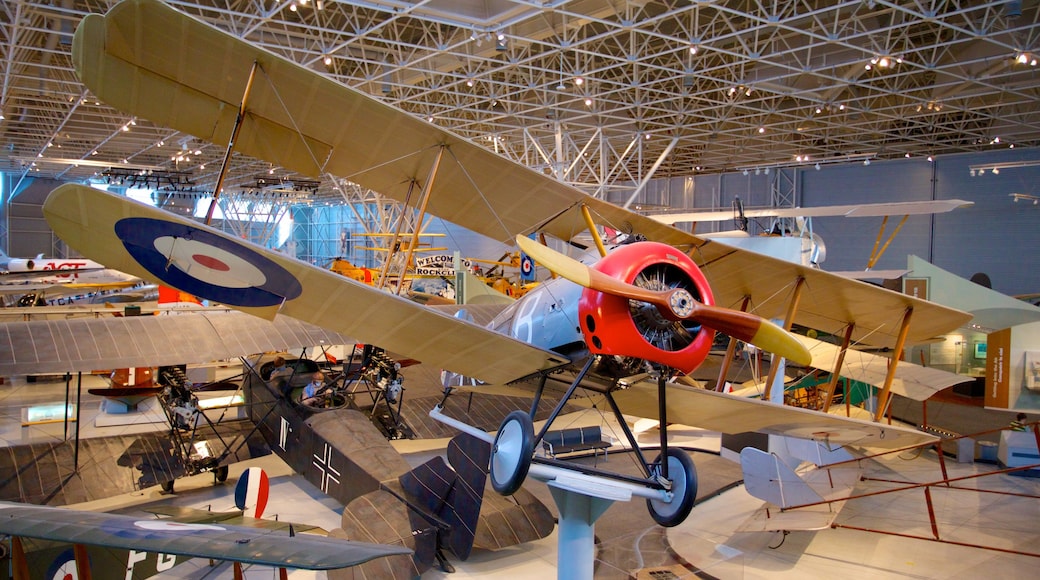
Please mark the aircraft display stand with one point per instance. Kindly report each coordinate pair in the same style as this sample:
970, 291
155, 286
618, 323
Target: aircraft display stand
580, 498
580, 503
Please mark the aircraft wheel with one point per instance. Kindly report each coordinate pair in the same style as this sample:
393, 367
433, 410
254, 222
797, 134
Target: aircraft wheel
684, 490
221, 473
167, 486
511, 453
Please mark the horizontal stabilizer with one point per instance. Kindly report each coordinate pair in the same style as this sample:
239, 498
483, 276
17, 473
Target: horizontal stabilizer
769, 479
811, 451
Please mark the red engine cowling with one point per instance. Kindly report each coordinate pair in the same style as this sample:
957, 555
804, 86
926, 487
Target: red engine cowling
617, 326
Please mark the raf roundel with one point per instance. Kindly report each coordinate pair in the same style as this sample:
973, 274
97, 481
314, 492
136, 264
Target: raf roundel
526, 267
205, 264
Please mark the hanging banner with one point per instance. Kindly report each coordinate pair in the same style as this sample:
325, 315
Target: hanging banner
439, 265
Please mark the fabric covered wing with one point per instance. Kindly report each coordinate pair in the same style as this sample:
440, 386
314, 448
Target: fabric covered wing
86, 344
154, 62
912, 381
216, 541
730, 414
828, 302
162, 247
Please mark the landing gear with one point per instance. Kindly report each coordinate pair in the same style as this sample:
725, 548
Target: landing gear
220, 474
683, 475
167, 486
511, 453
442, 562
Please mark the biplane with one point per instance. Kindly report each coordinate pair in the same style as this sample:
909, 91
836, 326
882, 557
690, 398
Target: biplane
642, 313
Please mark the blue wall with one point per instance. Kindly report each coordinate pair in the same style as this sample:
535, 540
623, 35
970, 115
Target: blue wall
995, 236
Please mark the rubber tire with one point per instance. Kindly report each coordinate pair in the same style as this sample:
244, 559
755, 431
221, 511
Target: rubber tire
511, 453
684, 488
167, 486
221, 473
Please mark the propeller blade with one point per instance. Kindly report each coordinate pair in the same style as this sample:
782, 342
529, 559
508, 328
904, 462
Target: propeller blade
676, 304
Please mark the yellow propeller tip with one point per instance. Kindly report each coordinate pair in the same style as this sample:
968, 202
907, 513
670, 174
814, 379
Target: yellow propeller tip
772, 338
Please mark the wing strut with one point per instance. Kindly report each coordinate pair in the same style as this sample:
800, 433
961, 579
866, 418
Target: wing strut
904, 328
792, 309
231, 144
875, 254
396, 237
835, 374
730, 350
592, 230
82, 562
427, 189
19, 564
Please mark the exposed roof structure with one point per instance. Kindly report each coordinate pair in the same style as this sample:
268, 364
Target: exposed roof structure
594, 91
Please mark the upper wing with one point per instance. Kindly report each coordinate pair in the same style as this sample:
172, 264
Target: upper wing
216, 541
857, 210
168, 249
89, 343
828, 302
150, 60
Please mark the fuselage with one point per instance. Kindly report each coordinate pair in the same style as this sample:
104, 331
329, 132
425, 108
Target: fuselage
57, 271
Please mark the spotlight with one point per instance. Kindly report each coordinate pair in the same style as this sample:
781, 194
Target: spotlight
972, 172
996, 171
866, 162
817, 167
745, 172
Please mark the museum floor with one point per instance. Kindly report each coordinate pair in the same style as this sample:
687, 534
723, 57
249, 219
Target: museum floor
709, 544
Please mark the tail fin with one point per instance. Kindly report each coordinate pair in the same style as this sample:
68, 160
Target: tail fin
173, 299
252, 491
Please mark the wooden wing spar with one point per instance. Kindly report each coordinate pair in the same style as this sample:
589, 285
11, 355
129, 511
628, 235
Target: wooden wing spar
127, 58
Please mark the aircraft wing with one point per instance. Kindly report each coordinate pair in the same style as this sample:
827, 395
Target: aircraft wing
856, 210
150, 60
731, 414
88, 343
216, 541
10, 288
156, 245
828, 302
912, 381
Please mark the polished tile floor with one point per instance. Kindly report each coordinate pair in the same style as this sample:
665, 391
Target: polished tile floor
708, 544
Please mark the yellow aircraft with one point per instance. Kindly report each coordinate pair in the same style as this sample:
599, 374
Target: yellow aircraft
645, 306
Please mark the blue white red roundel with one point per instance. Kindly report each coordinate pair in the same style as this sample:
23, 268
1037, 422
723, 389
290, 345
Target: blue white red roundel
526, 267
207, 265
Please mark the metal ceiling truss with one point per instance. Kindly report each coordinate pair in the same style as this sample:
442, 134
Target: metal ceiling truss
590, 91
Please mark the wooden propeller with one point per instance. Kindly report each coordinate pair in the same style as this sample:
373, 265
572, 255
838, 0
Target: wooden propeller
675, 304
